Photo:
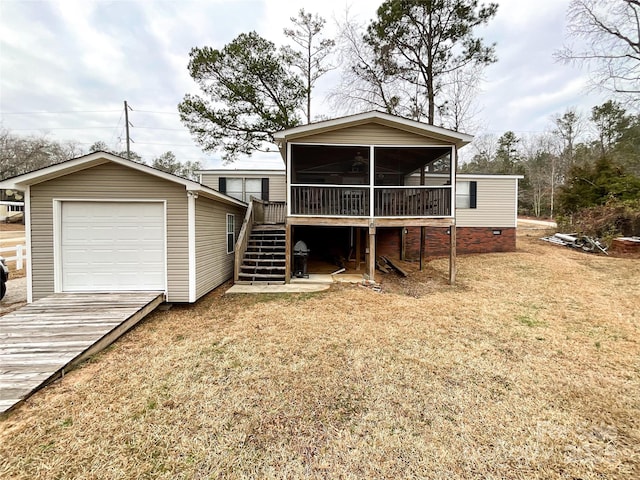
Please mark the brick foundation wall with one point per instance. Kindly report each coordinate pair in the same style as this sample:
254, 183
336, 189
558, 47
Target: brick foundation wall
468, 240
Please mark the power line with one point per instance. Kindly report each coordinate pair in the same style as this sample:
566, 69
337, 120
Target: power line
51, 112
152, 111
162, 128
168, 144
63, 128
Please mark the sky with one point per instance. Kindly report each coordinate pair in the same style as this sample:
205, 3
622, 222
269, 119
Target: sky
67, 66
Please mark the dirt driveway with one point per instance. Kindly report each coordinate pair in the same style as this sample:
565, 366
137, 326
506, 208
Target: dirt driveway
16, 295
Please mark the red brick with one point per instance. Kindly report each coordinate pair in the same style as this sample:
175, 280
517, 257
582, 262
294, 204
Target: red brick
437, 241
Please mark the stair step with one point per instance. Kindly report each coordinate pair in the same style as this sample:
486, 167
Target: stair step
274, 276
271, 261
268, 228
264, 248
277, 253
248, 282
263, 267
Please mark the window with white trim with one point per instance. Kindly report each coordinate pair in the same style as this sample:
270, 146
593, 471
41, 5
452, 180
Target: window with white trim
231, 233
466, 193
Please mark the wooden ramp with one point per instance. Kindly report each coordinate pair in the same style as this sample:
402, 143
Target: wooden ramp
42, 340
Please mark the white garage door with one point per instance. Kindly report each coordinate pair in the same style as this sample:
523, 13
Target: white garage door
112, 246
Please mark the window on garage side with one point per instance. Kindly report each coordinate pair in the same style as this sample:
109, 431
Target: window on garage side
466, 193
231, 232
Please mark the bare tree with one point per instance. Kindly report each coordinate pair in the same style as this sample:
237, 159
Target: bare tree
311, 59
363, 83
460, 110
610, 35
21, 154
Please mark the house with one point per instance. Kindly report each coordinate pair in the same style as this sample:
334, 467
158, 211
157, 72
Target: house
352, 188
103, 223
268, 185
11, 205
366, 185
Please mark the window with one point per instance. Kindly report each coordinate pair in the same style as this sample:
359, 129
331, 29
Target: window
15, 208
252, 188
466, 194
231, 233
244, 188
234, 188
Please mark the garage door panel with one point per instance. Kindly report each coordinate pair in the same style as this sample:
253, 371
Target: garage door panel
112, 246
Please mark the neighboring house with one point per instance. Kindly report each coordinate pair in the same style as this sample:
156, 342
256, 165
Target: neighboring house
370, 184
103, 223
11, 205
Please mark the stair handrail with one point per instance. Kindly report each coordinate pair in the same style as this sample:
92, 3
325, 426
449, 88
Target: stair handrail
243, 240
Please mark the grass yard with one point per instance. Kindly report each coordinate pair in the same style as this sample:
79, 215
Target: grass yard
528, 368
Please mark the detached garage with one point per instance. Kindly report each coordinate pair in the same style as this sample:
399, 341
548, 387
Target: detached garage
101, 223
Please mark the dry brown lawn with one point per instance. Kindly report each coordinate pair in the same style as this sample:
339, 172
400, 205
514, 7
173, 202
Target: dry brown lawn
528, 368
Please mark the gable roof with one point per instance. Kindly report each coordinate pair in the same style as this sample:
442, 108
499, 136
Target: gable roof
20, 182
375, 116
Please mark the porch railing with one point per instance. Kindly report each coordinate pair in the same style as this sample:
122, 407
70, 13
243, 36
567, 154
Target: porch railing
353, 201
412, 202
330, 201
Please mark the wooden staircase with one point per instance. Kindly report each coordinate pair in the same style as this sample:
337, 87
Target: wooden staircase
264, 259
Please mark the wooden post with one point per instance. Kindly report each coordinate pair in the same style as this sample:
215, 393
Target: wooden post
422, 229
371, 269
358, 248
452, 229
452, 256
287, 258
422, 239
126, 124
403, 250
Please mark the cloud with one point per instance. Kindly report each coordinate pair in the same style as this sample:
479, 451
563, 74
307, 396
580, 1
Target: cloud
84, 58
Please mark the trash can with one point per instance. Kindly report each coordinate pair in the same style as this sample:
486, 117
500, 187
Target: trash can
300, 256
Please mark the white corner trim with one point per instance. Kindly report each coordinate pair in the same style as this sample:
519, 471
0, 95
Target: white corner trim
515, 220
27, 238
191, 229
57, 245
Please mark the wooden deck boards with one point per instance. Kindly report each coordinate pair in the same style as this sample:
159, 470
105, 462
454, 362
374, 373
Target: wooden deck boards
42, 340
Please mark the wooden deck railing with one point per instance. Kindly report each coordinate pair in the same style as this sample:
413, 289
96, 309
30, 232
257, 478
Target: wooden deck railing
243, 240
275, 212
412, 202
354, 201
330, 201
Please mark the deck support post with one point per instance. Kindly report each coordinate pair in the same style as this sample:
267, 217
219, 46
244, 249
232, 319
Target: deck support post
452, 256
422, 239
358, 247
371, 264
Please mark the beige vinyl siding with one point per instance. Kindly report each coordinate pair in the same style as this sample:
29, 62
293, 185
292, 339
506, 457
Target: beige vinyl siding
414, 180
214, 265
109, 181
496, 204
369, 134
277, 182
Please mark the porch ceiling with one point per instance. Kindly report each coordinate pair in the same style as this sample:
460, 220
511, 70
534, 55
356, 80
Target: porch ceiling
340, 159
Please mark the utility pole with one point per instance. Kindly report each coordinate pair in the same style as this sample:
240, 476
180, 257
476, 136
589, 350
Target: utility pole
126, 123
